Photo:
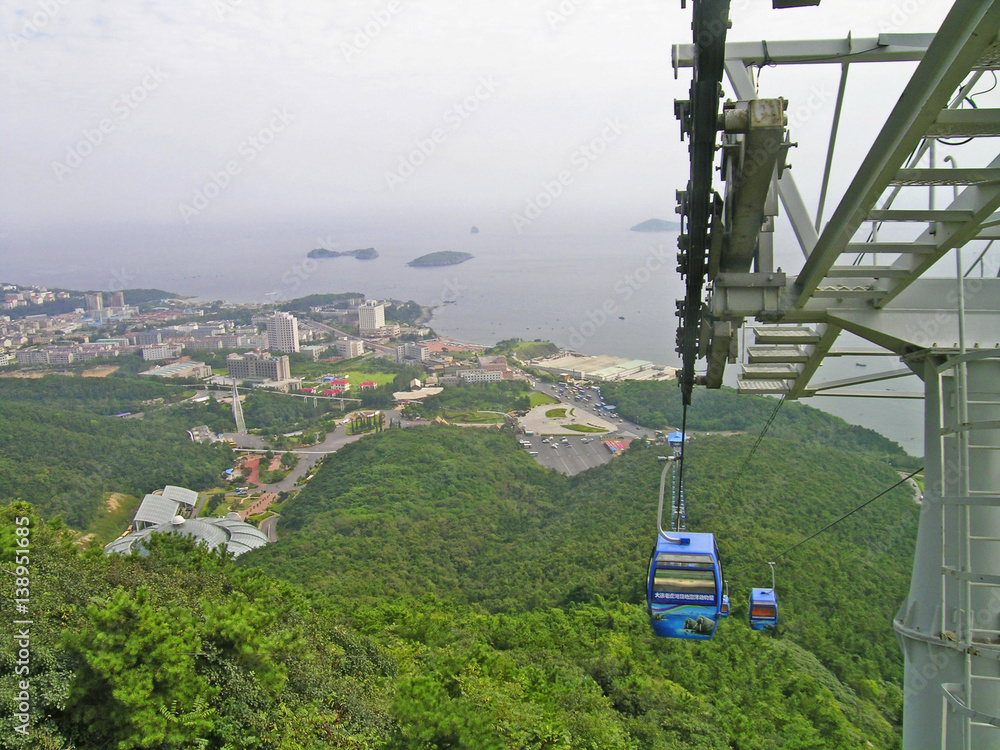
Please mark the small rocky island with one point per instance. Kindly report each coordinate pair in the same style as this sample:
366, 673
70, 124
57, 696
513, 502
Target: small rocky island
442, 258
656, 225
367, 253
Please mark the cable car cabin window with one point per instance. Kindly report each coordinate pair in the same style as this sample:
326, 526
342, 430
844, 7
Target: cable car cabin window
763, 610
685, 581
685, 575
675, 560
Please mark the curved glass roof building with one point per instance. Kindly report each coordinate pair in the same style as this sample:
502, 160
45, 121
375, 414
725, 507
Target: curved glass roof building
237, 536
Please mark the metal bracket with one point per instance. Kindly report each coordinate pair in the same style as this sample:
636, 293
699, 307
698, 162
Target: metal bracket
950, 692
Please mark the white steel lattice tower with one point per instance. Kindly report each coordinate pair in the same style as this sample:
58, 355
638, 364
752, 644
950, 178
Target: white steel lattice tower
873, 269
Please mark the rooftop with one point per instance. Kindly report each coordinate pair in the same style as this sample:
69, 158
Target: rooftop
236, 535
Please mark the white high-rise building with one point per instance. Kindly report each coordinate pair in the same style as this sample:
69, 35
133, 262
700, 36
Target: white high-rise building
283, 332
371, 316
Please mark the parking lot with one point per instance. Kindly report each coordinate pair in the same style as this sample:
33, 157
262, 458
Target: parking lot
568, 455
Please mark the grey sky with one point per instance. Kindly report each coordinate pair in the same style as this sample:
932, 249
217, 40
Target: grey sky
122, 112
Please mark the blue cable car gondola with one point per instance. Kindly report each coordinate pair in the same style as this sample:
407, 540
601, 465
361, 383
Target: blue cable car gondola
763, 609
684, 585
724, 609
684, 588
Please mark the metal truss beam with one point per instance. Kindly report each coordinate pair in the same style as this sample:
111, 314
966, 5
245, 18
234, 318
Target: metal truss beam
918, 318
874, 377
883, 48
980, 201
959, 45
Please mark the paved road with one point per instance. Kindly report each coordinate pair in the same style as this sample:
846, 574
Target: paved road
307, 460
269, 526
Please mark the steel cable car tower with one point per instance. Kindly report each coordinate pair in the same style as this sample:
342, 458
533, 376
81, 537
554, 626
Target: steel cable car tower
944, 330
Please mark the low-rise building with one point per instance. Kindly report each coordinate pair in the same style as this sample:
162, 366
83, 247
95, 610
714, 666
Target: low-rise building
160, 351
412, 351
147, 338
496, 362
480, 376
252, 366
32, 357
350, 348
181, 370
314, 351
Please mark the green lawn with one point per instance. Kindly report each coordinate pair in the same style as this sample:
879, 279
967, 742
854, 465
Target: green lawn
356, 377
555, 413
540, 399
113, 518
583, 428
471, 417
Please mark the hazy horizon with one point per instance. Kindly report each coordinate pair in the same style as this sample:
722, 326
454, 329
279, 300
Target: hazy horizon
212, 113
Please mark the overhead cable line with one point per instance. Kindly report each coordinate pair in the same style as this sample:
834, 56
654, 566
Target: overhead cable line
684, 421
850, 512
753, 449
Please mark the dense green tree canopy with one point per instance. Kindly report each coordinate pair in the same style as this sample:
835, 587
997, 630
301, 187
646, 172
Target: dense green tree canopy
434, 587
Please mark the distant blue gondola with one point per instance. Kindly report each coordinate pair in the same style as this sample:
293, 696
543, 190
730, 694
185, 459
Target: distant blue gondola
763, 609
684, 587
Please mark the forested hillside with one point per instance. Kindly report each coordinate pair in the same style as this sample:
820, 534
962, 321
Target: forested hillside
657, 404
419, 521
61, 451
434, 587
105, 396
